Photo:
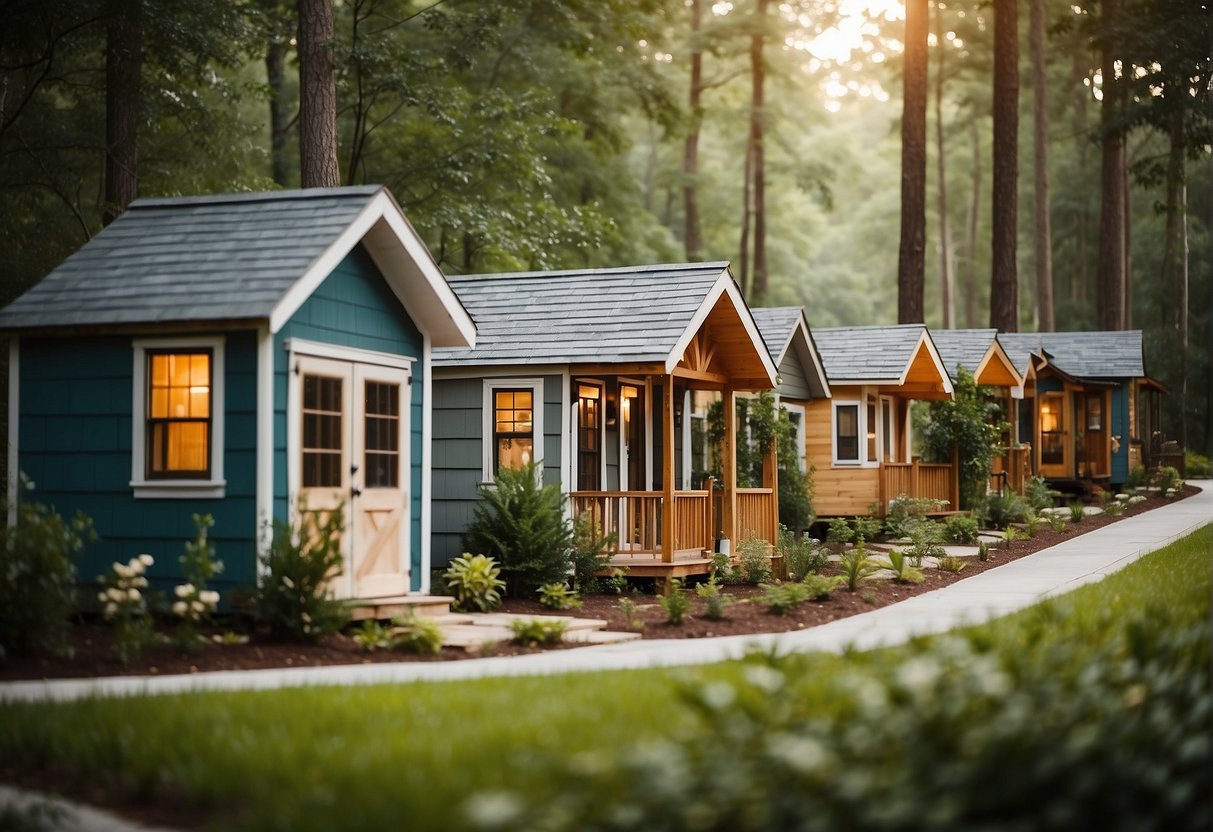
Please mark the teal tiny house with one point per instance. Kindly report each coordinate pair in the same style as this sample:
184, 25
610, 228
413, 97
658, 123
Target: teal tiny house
248, 357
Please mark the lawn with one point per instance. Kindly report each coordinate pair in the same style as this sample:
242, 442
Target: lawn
1090, 711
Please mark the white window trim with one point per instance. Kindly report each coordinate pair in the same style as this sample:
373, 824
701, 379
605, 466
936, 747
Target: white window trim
486, 456
801, 454
575, 430
860, 407
184, 489
886, 426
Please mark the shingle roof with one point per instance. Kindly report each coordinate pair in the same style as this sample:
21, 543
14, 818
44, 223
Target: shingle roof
1107, 354
776, 326
867, 353
966, 347
634, 314
229, 257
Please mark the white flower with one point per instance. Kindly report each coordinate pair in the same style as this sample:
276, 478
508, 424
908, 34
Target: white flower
136, 567
307, 619
287, 582
102, 596
122, 571
114, 594
210, 597
197, 606
140, 582
111, 609
133, 594
179, 608
183, 590
146, 560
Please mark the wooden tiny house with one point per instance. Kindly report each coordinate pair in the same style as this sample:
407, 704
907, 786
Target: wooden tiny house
858, 441
594, 374
246, 356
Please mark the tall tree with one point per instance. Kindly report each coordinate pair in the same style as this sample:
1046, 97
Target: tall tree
692, 233
753, 191
1110, 273
970, 275
911, 263
123, 86
946, 281
1004, 279
317, 96
1042, 225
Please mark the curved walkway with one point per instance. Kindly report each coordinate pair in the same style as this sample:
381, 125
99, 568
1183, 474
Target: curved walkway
996, 592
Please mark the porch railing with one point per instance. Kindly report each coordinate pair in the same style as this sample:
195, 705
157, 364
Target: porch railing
920, 480
757, 514
635, 519
1012, 469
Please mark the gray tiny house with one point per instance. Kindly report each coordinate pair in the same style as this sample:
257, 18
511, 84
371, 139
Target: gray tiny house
247, 356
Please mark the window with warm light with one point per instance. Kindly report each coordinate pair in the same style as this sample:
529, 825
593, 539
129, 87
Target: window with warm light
871, 430
589, 437
178, 414
846, 432
513, 428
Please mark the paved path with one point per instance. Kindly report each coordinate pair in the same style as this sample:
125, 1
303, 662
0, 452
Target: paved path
991, 594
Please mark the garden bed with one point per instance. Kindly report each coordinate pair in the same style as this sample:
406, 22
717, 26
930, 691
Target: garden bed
93, 655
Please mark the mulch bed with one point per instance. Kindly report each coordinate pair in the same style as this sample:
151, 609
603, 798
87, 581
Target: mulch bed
94, 657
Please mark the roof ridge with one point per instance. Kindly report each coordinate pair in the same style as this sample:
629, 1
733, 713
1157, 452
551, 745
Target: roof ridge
651, 267
256, 196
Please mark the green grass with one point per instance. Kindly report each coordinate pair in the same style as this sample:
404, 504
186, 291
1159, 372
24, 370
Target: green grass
1082, 709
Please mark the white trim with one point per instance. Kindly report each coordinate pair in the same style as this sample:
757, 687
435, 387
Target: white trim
567, 464
14, 428
650, 409
801, 431
858, 404
575, 429
686, 439
265, 445
814, 355
486, 456
212, 488
724, 285
885, 427
427, 462
480, 371
353, 355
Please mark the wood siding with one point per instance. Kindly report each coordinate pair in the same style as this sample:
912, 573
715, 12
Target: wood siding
842, 490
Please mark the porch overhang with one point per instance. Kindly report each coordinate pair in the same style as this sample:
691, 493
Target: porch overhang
997, 370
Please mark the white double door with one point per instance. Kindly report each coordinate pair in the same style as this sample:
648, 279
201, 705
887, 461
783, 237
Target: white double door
351, 443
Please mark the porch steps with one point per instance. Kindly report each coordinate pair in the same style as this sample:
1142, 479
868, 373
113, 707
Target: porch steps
476, 631
383, 609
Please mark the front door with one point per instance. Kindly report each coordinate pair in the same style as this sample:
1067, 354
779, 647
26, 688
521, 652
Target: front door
1053, 445
353, 455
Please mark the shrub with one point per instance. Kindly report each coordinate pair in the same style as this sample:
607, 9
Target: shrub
124, 604
983, 551
753, 563
960, 528
373, 636
417, 634
1165, 479
618, 581
1038, 494
802, 555
867, 528
1197, 465
857, 567
37, 578
1077, 512
714, 603
628, 608
906, 512
1056, 522
193, 602
899, 565
474, 581
951, 563
591, 553
820, 586
675, 603
973, 424
294, 600
1137, 477
537, 632
840, 531
1032, 522
1010, 534
779, 598
522, 526
924, 542
558, 596
1000, 510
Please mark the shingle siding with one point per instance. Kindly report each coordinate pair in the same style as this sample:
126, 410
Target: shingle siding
963, 347
1109, 354
867, 353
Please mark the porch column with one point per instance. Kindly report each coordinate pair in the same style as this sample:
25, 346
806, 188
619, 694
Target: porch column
728, 465
955, 495
667, 469
770, 479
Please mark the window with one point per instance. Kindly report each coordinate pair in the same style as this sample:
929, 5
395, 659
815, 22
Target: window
1094, 412
797, 418
513, 424
589, 437
177, 424
381, 434
323, 432
846, 432
871, 432
886, 429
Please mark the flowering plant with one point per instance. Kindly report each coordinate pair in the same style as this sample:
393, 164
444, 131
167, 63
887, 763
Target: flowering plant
123, 603
195, 603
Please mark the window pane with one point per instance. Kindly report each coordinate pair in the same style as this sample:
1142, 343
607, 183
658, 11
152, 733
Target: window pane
847, 432
159, 403
514, 453
160, 371
200, 402
179, 370
200, 370
522, 398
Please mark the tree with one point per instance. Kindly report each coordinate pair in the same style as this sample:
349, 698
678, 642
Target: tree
911, 263
692, 233
1110, 272
753, 191
317, 96
123, 83
946, 282
968, 422
1042, 226
1004, 280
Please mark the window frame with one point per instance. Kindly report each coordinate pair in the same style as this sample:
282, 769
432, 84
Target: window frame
172, 487
802, 412
860, 435
489, 429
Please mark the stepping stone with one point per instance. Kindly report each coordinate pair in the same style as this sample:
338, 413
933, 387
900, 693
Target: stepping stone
599, 636
503, 620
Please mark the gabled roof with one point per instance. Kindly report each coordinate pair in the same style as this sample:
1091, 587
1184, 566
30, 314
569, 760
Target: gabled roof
785, 329
882, 355
1093, 355
980, 352
638, 314
237, 258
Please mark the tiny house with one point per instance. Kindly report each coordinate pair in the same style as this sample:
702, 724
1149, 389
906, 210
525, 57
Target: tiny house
249, 356
592, 375
859, 440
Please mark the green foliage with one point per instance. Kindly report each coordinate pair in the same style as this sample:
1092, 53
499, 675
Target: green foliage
618, 581
951, 563
1056, 522
924, 542
591, 553
124, 604
558, 596
820, 586
801, 554
1165, 479
960, 528
675, 603
475, 583
906, 512
522, 526
840, 531
194, 603
780, 598
372, 636
37, 578
417, 634
1197, 465
1137, 477
857, 567
1113, 507
630, 620
753, 561
294, 600
867, 528
1000, 510
1032, 522
1077, 512
966, 423
1038, 494
983, 551
714, 603
722, 568
899, 564
538, 632
1011, 534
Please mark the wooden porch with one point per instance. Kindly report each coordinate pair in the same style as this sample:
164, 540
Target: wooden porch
920, 480
1012, 470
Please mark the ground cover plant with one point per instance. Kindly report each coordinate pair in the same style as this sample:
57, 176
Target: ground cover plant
1104, 690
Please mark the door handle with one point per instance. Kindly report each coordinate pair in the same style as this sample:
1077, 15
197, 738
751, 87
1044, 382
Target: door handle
356, 491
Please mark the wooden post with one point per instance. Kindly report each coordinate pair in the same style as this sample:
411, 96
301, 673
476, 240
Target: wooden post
915, 491
955, 495
728, 457
667, 469
770, 479
710, 529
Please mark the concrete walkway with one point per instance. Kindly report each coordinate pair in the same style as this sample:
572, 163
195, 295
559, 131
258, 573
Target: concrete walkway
996, 592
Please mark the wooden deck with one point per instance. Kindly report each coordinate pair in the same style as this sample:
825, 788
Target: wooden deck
650, 565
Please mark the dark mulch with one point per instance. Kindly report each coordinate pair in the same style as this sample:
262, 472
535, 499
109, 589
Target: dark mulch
94, 657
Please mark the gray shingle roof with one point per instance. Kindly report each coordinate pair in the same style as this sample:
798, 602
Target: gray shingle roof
634, 314
965, 347
776, 326
867, 353
229, 257
1107, 354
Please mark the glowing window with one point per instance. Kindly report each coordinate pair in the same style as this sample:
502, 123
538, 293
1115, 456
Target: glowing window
179, 414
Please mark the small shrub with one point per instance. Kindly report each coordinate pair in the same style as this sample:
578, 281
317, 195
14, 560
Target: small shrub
537, 632
675, 603
753, 563
1113, 508
779, 598
840, 531
1137, 477
558, 596
1010, 534
820, 586
1032, 522
124, 604
1077, 513
372, 636
417, 634
37, 578
899, 565
1000, 510
905, 512
951, 563
802, 555
867, 528
1197, 465
983, 551
591, 553
1056, 522
960, 528
714, 603
924, 542
1166, 479
630, 620
294, 599
474, 581
195, 603
1038, 494
857, 567
722, 569
869, 597
618, 581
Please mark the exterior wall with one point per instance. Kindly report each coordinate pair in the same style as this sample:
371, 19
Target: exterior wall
459, 455
843, 490
74, 442
792, 371
354, 307
1121, 399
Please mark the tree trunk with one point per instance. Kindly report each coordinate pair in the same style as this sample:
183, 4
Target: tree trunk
1170, 284
1004, 280
747, 208
1042, 221
946, 287
1080, 276
275, 66
970, 278
1110, 273
1127, 215
911, 255
317, 96
123, 86
757, 82
692, 232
